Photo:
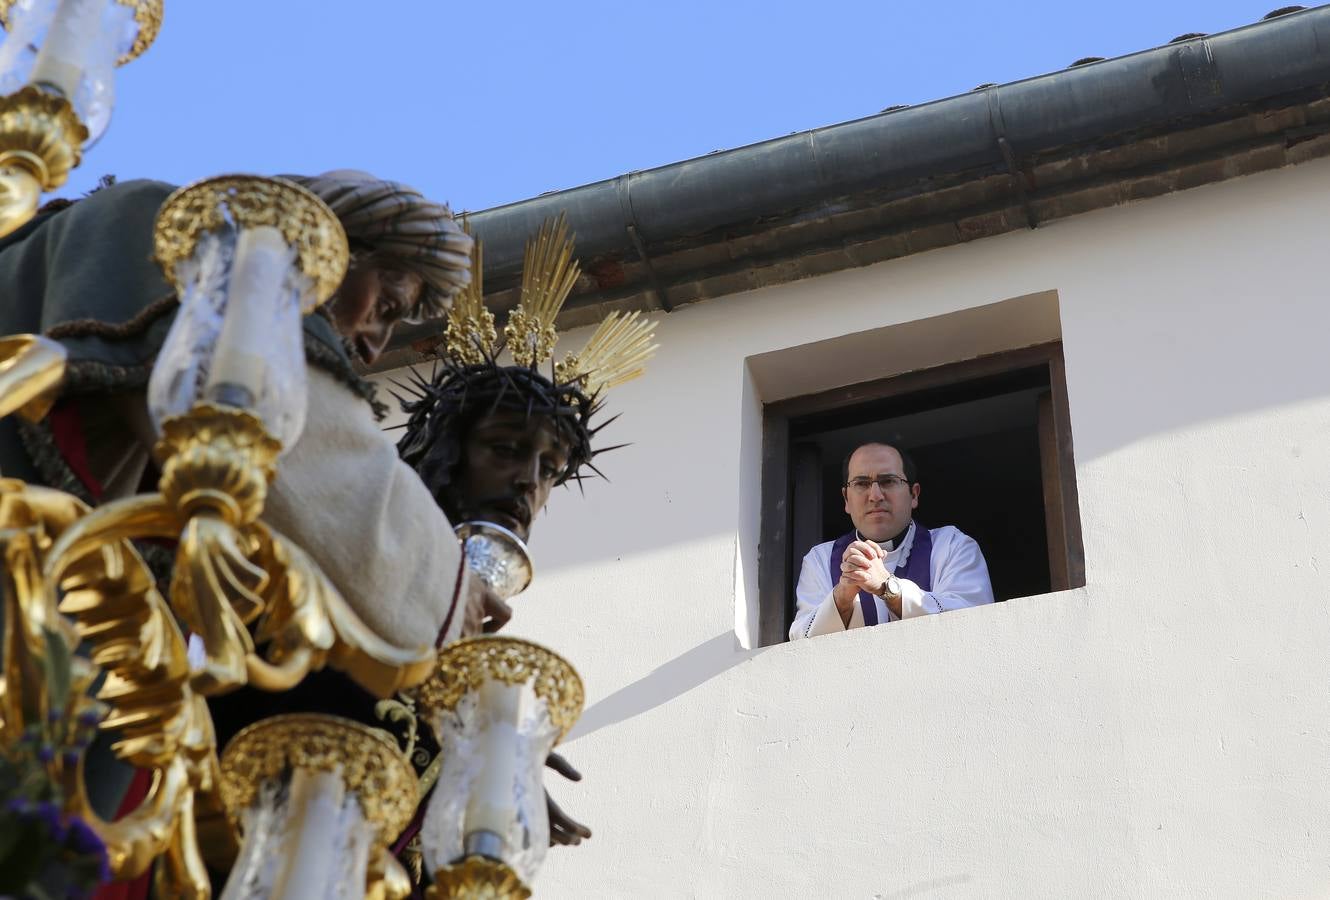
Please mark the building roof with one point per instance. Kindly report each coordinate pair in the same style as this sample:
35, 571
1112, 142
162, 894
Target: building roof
1200, 109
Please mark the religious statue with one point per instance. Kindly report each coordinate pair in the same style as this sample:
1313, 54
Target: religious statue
490, 440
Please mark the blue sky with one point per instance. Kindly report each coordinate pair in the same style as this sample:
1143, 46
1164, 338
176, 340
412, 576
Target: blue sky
483, 103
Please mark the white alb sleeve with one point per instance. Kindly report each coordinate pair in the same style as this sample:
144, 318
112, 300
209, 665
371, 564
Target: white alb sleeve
815, 608
960, 577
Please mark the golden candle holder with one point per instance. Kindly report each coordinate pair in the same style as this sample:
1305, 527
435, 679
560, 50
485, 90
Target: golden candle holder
311, 793
41, 141
497, 706
217, 459
71, 576
42, 133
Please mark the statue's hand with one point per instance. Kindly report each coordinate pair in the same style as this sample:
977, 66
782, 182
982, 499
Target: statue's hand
485, 613
564, 829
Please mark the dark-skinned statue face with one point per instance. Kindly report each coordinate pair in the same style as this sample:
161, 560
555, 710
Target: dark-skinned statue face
509, 462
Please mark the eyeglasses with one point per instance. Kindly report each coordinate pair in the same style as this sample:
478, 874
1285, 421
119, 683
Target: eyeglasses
885, 482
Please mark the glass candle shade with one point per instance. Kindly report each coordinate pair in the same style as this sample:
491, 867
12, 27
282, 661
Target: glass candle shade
497, 706
71, 48
249, 256
315, 798
236, 340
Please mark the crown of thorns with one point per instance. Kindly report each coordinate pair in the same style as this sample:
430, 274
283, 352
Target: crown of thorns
444, 406
468, 382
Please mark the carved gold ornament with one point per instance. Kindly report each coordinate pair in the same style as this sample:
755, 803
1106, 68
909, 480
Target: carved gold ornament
217, 458
148, 15
477, 878
305, 221
266, 614
108, 601
617, 351
367, 760
463, 666
471, 331
401, 711
548, 275
227, 578
31, 370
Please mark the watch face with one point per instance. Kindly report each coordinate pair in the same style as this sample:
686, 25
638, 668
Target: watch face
893, 586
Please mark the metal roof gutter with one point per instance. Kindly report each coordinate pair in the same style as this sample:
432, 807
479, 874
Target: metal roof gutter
915, 178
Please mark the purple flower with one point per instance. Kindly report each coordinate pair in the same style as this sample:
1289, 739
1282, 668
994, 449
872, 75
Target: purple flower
89, 718
18, 805
45, 753
49, 815
71, 758
84, 841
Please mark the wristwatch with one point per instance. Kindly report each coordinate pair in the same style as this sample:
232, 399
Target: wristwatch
891, 588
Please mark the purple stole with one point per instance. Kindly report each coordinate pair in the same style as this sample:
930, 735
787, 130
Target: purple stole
918, 568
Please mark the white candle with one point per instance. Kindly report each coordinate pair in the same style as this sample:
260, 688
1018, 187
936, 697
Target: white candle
62, 57
262, 259
309, 842
493, 805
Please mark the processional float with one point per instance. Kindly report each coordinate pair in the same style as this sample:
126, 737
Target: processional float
297, 805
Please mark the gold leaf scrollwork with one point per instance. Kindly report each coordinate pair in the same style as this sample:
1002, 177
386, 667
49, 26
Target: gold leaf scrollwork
216, 590
148, 17
305, 221
400, 711
307, 621
368, 761
463, 666
31, 371
105, 590
163, 725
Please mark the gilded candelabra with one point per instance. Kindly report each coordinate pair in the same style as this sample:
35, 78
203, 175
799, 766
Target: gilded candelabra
263, 611
294, 793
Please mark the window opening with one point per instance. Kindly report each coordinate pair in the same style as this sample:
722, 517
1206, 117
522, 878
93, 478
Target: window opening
992, 444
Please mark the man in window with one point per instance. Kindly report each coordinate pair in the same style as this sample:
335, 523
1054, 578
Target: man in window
887, 567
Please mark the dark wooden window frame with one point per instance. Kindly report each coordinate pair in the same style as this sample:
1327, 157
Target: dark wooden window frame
776, 577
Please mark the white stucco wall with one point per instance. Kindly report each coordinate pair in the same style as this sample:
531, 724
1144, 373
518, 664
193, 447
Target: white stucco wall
1162, 732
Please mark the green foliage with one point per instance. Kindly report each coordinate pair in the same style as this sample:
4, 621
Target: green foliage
45, 853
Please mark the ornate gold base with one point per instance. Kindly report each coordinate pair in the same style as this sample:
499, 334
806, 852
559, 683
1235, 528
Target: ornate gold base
219, 459
368, 760
41, 140
477, 878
